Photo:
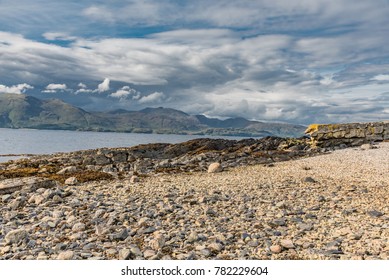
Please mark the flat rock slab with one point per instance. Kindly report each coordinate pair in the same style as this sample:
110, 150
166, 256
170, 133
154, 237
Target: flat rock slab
32, 183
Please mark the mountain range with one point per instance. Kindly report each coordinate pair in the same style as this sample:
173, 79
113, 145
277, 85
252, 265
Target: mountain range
24, 111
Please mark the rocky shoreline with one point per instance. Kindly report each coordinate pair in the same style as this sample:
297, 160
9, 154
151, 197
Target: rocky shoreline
142, 160
268, 198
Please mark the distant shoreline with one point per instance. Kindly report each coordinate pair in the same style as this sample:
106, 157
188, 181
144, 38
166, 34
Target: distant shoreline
18, 155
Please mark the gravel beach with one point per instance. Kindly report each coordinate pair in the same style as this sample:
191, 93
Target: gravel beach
331, 206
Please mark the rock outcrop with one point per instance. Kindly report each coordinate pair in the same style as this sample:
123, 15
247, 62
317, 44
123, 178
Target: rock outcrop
349, 134
191, 156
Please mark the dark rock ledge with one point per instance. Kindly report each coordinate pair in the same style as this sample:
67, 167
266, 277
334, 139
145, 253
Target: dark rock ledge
142, 160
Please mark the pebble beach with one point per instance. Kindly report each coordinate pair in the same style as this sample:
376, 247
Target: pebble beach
326, 207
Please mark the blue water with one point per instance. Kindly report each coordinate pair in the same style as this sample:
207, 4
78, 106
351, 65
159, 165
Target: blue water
30, 141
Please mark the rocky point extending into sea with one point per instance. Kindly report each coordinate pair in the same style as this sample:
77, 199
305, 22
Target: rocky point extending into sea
269, 198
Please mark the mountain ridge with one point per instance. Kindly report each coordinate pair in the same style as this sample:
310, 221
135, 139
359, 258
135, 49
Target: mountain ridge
24, 111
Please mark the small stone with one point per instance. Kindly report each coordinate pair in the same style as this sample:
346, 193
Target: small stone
149, 230
121, 236
333, 252
356, 236
210, 212
134, 179
15, 204
89, 246
309, 180
67, 170
193, 237
278, 222
59, 247
99, 230
307, 245
375, 213
367, 146
244, 236
158, 242
135, 250
71, 181
124, 254
6, 249
143, 221
281, 205
215, 247
111, 252
253, 243
305, 227
41, 256
287, 243
76, 236
276, 249
51, 224
66, 255
149, 253
5, 198
78, 227
215, 167
205, 252
57, 214
57, 199
71, 219
37, 199
16, 236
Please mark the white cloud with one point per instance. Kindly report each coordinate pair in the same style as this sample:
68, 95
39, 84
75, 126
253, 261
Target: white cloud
381, 77
104, 86
54, 88
83, 90
125, 92
153, 97
17, 89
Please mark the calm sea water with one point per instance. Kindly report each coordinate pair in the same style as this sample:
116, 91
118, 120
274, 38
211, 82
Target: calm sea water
30, 141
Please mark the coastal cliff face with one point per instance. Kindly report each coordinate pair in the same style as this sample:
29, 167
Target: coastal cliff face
349, 134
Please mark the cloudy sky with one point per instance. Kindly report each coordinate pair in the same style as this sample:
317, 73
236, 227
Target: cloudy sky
274, 60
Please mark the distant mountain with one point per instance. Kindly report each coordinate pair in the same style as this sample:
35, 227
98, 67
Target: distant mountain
23, 111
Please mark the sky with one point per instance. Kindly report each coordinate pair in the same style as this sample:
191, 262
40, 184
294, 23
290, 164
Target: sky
302, 62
